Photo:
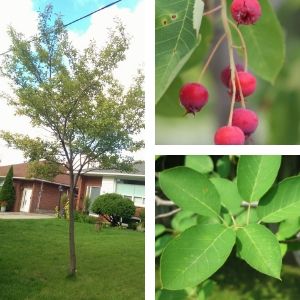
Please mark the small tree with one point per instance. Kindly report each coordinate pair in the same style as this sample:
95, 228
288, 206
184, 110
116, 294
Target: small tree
7, 192
75, 96
113, 207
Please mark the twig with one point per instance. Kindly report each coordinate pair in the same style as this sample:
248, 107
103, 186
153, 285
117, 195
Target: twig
168, 214
212, 54
212, 10
231, 58
160, 201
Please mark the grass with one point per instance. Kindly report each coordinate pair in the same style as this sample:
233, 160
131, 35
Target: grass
34, 262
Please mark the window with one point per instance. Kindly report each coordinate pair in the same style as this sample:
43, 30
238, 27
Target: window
139, 201
92, 192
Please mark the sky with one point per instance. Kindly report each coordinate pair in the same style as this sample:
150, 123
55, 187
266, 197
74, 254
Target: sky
22, 15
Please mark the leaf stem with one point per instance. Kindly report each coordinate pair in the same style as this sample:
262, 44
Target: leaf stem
248, 212
212, 10
231, 58
211, 55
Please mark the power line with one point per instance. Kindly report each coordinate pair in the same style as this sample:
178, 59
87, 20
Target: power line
70, 23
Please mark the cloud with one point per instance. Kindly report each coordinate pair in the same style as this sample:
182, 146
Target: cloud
23, 18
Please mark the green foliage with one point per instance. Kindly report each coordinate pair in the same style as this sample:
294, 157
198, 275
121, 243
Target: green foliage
178, 185
288, 228
198, 243
113, 206
86, 204
7, 192
200, 163
195, 255
159, 229
84, 218
43, 170
177, 26
258, 246
229, 195
281, 202
256, 174
75, 96
265, 60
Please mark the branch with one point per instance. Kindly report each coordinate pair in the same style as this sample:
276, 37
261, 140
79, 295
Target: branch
168, 214
160, 201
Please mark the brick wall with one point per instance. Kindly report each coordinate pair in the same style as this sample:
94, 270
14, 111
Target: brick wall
83, 183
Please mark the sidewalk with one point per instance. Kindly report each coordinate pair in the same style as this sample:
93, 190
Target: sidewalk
22, 215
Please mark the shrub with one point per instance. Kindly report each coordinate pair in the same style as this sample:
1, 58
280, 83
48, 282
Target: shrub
7, 192
113, 207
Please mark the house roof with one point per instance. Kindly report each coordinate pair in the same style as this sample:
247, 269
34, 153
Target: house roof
21, 172
138, 171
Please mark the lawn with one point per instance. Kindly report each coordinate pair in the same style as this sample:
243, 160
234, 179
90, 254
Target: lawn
34, 262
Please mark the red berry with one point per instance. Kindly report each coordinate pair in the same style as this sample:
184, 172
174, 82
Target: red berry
245, 119
193, 96
226, 74
245, 11
247, 84
229, 135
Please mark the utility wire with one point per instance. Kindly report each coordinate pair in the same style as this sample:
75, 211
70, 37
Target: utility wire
68, 24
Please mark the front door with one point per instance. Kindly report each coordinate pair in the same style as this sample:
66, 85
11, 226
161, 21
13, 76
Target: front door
26, 200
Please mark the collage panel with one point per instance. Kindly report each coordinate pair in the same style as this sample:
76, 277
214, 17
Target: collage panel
227, 227
72, 149
227, 72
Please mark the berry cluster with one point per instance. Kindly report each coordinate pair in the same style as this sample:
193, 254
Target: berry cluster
243, 122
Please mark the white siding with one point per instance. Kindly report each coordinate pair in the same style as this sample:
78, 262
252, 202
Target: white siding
108, 185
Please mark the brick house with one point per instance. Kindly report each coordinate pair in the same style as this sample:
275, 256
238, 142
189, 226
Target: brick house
34, 194
95, 182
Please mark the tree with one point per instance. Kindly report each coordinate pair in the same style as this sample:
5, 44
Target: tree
7, 192
113, 207
74, 95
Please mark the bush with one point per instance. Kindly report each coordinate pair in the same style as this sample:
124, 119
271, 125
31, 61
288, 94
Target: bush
84, 218
7, 192
113, 207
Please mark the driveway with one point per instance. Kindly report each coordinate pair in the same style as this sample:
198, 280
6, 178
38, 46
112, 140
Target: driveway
21, 215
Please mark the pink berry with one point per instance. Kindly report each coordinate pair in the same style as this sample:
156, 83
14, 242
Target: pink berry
247, 84
193, 96
229, 135
245, 119
245, 11
226, 74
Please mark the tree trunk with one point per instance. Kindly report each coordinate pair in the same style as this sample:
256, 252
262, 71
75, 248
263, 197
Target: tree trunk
72, 269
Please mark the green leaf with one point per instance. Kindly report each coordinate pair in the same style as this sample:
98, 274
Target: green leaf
283, 249
159, 229
171, 295
184, 220
256, 174
241, 219
177, 25
195, 255
190, 190
281, 202
161, 243
265, 43
229, 195
200, 163
288, 228
223, 166
258, 246
169, 105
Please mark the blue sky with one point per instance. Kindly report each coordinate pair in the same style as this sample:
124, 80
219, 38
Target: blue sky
73, 9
